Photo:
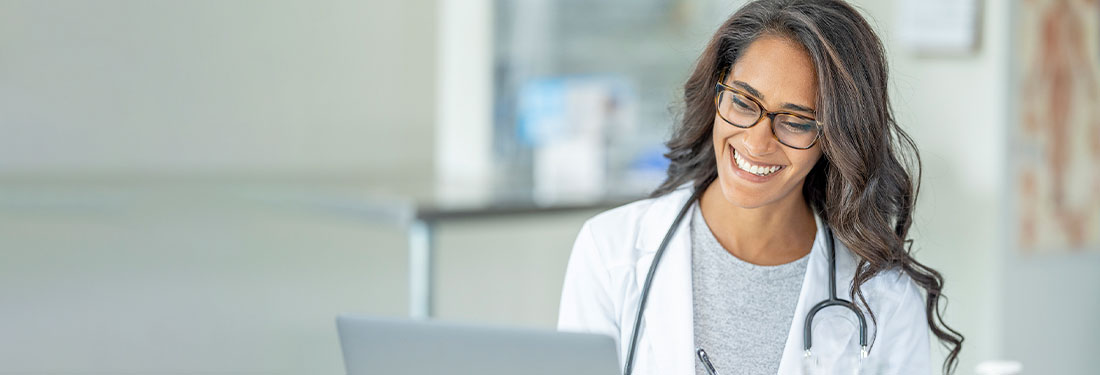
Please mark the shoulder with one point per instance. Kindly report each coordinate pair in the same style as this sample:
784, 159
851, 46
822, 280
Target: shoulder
886, 290
622, 221
896, 299
618, 233
613, 233
901, 331
893, 286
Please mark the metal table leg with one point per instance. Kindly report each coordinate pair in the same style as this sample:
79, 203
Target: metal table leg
420, 269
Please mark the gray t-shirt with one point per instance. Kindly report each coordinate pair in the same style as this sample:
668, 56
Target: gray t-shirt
743, 311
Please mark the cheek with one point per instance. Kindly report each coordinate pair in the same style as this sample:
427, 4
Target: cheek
721, 131
718, 137
806, 161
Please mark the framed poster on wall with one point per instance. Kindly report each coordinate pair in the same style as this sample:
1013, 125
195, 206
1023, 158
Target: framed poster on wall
1054, 156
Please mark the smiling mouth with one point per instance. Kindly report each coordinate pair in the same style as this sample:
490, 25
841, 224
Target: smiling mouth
759, 170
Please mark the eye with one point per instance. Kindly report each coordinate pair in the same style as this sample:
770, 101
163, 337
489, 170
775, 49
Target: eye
742, 104
798, 126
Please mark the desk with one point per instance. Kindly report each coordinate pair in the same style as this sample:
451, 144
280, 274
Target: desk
419, 212
414, 206
421, 225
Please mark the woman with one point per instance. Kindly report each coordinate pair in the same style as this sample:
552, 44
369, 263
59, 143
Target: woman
787, 131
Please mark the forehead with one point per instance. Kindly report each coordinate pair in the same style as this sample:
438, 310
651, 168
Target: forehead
780, 69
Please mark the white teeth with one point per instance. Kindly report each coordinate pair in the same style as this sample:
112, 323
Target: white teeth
754, 169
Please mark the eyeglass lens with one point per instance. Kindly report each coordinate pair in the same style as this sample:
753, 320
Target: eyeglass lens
739, 110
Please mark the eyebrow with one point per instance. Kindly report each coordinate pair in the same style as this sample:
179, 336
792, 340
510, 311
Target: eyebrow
757, 94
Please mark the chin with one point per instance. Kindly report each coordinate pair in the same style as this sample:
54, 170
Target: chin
738, 196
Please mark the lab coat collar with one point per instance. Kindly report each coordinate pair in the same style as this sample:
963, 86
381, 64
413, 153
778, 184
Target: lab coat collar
659, 217
669, 311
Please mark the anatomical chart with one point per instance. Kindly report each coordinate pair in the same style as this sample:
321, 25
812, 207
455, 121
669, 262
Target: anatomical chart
1054, 158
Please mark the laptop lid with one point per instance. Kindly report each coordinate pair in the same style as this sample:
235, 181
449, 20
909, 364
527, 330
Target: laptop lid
376, 346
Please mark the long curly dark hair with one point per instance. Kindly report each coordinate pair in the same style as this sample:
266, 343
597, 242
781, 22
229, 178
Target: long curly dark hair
862, 186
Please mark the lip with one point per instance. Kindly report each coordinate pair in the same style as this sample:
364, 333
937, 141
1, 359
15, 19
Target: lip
748, 176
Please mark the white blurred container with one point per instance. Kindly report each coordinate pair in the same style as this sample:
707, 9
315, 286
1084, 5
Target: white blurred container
999, 368
567, 121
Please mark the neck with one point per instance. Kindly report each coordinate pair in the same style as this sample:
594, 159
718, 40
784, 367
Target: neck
776, 233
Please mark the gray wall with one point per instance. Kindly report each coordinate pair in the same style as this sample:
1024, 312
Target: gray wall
146, 145
169, 87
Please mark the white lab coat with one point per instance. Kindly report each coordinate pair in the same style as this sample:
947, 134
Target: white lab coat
613, 253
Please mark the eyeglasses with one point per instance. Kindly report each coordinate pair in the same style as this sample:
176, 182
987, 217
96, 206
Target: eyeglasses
740, 109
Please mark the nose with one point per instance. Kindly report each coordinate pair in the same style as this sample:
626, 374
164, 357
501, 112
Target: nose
758, 140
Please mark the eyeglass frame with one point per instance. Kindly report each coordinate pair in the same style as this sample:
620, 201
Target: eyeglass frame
721, 86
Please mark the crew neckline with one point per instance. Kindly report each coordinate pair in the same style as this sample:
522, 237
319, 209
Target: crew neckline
704, 237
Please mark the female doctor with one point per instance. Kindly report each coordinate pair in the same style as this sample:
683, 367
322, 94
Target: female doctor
787, 169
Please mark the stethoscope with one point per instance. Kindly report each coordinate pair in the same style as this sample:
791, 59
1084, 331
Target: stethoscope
807, 341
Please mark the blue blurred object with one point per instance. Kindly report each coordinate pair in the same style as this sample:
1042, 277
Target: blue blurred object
652, 158
569, 124
548, 108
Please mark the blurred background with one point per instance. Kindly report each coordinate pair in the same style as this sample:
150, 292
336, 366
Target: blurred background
199, 187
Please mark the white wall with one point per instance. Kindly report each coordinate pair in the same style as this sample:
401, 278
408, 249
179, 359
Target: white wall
143, 143
1040, 310
505, 270
954, 108
183, 280
169, 87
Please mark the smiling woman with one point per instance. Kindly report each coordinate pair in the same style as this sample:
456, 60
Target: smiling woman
764, 157
787, 138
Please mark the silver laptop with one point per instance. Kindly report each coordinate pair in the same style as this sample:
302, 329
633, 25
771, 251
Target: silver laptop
377, 346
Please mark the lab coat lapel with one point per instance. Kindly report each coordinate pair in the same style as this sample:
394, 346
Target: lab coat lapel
815, 288
667, 324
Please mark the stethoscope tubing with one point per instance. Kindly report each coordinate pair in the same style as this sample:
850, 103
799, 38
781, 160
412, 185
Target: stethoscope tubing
628, 369
807, 337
